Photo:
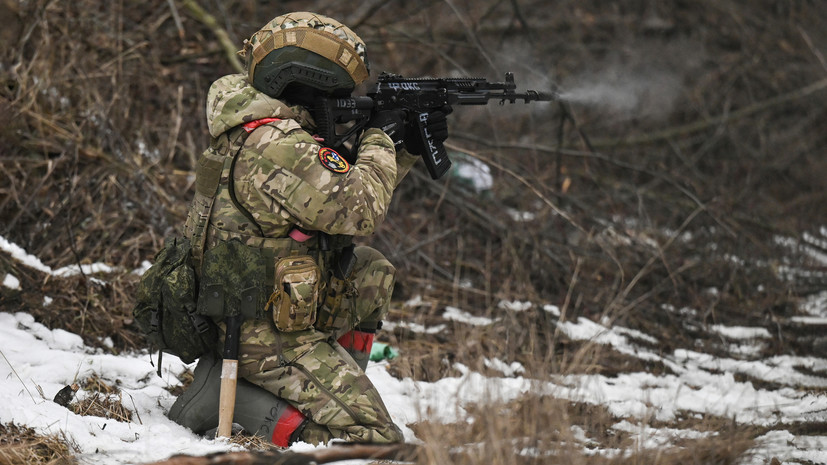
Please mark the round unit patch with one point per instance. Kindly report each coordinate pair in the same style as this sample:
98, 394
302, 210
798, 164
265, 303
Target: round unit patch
333, 161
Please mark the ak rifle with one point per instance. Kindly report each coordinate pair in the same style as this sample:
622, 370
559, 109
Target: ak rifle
417, 97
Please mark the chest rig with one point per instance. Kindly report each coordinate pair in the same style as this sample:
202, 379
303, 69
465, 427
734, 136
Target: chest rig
236, 263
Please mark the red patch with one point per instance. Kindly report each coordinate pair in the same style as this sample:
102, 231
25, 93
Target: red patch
249, 127
333, 161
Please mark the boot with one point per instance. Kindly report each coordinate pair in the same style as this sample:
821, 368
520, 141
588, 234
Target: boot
257, 410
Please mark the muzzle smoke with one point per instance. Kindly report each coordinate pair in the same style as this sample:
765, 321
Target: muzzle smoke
626, 93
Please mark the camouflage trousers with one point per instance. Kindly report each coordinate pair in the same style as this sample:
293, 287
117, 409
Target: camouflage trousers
311, 371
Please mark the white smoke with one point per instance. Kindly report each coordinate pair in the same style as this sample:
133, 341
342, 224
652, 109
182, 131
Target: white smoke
651, 94
643, 80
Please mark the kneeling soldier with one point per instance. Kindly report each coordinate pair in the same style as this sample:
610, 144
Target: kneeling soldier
311, 300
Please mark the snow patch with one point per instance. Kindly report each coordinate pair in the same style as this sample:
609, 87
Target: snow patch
11, 282
453, 313
741, 332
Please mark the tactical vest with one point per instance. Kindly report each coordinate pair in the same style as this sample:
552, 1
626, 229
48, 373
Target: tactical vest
251, 270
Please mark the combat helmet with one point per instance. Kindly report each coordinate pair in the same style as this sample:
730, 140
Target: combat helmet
305, 48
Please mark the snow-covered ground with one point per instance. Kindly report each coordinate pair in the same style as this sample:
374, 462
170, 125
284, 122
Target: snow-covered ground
37, 362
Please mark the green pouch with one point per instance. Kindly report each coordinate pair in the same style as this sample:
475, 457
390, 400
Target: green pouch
233, 278
165, 307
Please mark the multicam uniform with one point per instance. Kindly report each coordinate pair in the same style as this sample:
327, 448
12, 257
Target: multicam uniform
284, 177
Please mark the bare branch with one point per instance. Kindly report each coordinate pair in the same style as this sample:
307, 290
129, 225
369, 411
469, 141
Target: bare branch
230, 48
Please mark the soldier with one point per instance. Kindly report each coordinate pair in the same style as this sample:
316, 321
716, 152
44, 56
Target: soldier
269, 182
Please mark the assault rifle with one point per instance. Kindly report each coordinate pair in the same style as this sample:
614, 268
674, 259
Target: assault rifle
418, 97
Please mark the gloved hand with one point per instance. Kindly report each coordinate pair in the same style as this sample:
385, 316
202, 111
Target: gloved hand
391, 122
437, 127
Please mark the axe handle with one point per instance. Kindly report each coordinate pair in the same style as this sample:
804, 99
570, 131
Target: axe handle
226, 402
229, 377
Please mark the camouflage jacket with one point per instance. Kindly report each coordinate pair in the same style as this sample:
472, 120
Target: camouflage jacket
284, 177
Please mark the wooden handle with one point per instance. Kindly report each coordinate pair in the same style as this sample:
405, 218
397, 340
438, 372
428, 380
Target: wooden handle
226, 402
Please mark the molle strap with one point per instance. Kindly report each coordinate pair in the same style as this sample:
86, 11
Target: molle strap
208, 173
207, 180
281, 246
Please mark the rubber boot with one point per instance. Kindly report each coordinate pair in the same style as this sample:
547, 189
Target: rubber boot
257, 410
358, 342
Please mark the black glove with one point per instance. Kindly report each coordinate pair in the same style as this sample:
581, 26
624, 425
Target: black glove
436, 126
391, 122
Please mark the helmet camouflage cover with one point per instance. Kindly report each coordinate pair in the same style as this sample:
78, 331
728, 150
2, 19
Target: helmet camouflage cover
305, 48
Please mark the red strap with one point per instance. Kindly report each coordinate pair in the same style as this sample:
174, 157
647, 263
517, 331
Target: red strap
249, 127
297, 235
290, 419
359, 341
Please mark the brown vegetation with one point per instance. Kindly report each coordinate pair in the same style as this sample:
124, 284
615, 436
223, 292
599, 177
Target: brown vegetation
692, 140
23, 446
102, 400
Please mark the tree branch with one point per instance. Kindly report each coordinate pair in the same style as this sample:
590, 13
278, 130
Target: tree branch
230, 48
400, 452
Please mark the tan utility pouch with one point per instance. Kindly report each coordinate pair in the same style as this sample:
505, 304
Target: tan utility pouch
296, 293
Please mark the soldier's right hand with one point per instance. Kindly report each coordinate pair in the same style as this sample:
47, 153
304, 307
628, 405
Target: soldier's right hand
392, 123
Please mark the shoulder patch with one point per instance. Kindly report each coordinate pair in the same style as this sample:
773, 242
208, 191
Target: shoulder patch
333, 161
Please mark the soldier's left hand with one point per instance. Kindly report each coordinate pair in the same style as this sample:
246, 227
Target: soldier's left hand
436, 125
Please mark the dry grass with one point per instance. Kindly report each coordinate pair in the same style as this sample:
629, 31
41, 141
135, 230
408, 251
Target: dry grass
105, 406
538, 429
102, 400
23, 446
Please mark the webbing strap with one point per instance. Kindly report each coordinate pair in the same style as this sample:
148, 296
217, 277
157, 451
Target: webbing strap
207, 183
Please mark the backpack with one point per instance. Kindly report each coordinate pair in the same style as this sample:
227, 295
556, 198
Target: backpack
165, 307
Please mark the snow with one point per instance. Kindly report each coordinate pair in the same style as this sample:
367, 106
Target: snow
24, 258
37, 359
21, 256
515, 305
741, 332
773, 391
508, 369
646, 437
453, 313
815, 304
11, 282
413, 327
38, 362
73, 270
